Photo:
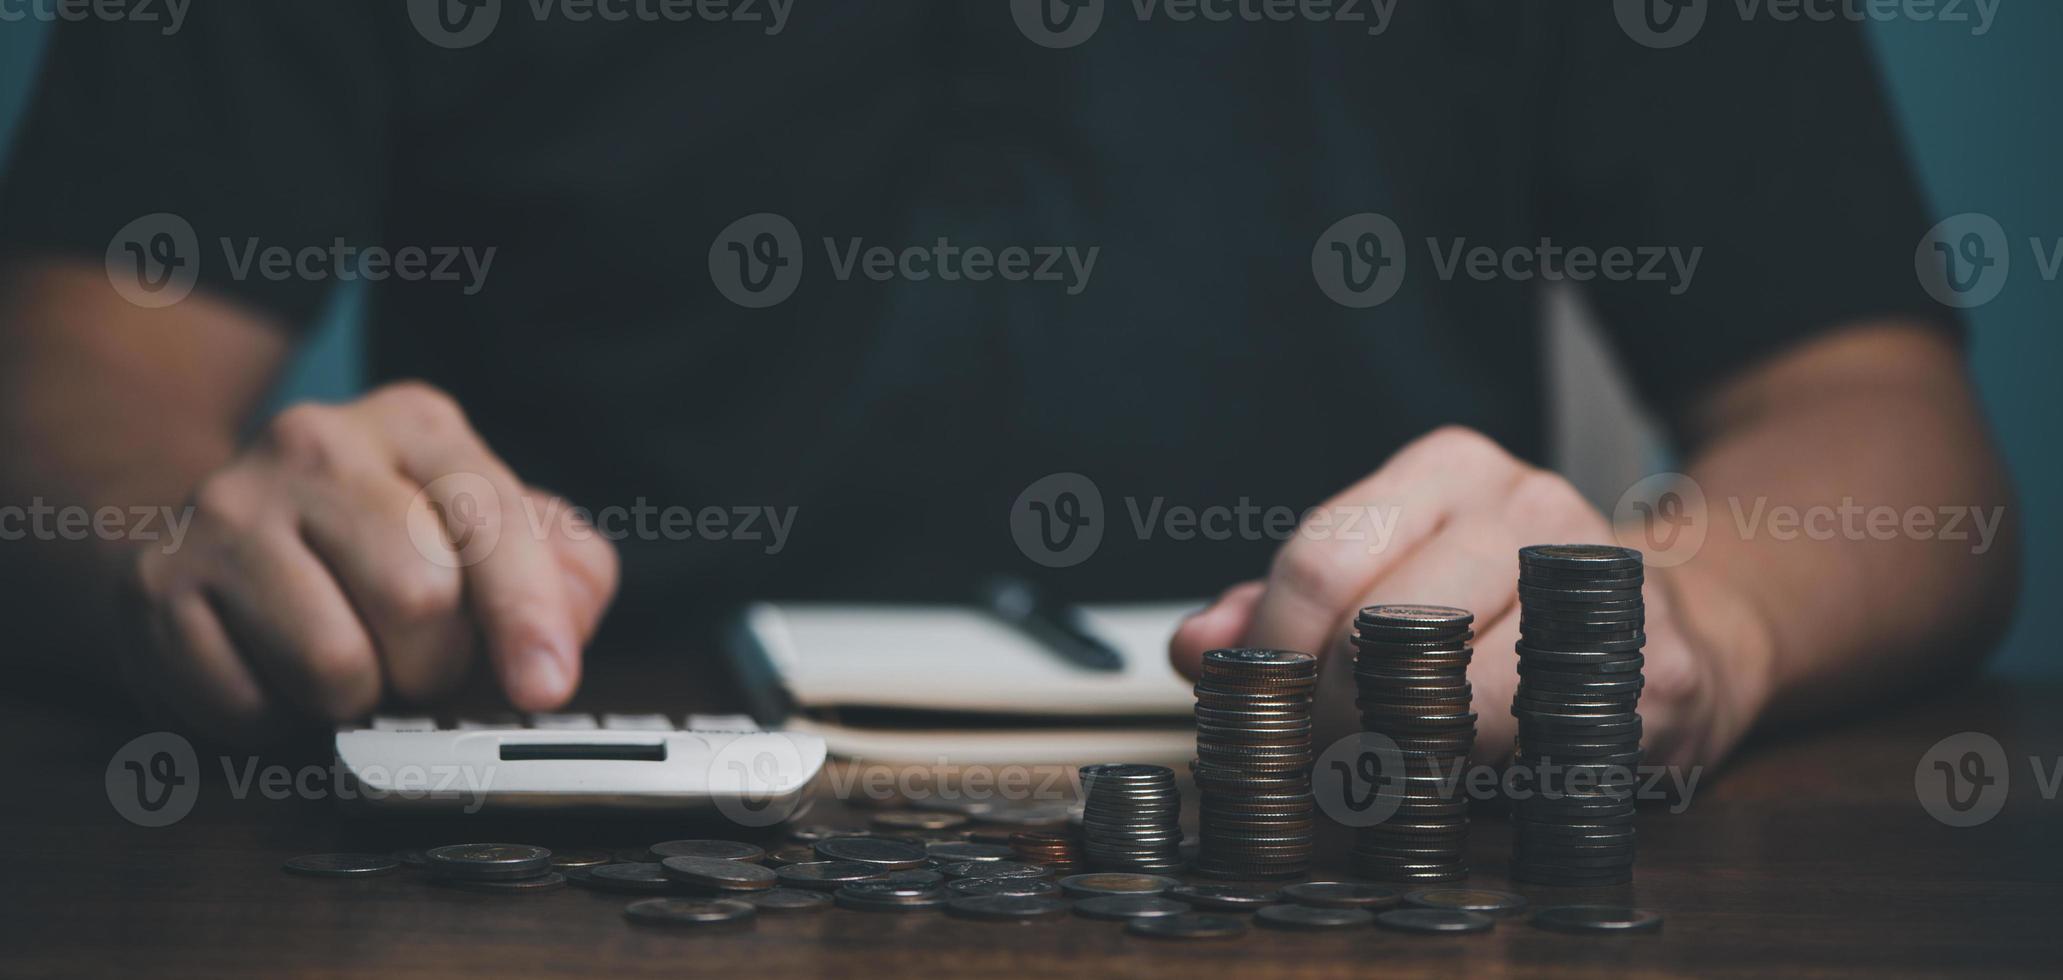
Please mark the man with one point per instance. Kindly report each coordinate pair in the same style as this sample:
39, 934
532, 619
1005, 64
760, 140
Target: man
691, 262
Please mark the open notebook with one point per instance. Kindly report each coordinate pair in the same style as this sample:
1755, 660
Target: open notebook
951, 684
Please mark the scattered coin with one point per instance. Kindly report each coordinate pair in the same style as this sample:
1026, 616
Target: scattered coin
1309, 917
727, 850
688, 912
888, 855
1225, 898
1128, 907
1114, 883
549, 881
788, 900
1002, 886
342, 865
628, 876
1597, 918
825, 875
1189, 925
479, 861
792, 854
1005, 906
721, 874
1343, 894
812, 833
993, 869
888, 896
1434, 920
909, 820
915, 876
961, 850
1467, 899
561, 860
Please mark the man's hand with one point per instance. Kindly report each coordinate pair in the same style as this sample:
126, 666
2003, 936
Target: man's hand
357, 550
1464, 509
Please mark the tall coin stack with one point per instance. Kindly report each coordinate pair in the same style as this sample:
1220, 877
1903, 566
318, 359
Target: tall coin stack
1253, 763
1580, 634
1411, 672
1131, 818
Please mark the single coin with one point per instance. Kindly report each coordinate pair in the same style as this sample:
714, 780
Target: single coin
826, 875
1226, 898
1113, 883
814, 832
792, 854
964, 850
488, 860
1343, 894
688, 911
628, 876
1310, 917
1597, 918
915, 876
917, 820
549, 881
1191, 925
1002, 886
787, 900
726, 850
994, 869
1481, 900
1435, 920
1005, 906
888, 855
888, 896
561, 860
342, 865
720, 873
1128, 907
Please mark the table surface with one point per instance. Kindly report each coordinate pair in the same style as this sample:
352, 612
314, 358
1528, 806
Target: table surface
1809, 854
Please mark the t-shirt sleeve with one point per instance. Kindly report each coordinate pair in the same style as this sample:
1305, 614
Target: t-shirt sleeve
1763, 148
255, 122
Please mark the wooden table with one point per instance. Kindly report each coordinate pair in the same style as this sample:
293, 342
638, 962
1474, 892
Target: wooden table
1809, 855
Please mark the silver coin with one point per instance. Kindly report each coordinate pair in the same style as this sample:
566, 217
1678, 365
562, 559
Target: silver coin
1128, 907
563, 859
915, 876
549, 881
917, 820
886, 854
1597, 918
688, 912
719, 873
1435, 920
488, 860
1481, 900
888, 896
1115, 883
1309, 917
1343, 894
787, 900
628, 876
1228, 898
825, 875
1003, 886
960, 850
342, 865
994, 869
1191, 925
727, 850
1006, 906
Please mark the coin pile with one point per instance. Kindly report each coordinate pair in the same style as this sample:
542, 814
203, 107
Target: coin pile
1131, 818
1253, 763
1411, 675
494, 867
1580, 636
1054, 850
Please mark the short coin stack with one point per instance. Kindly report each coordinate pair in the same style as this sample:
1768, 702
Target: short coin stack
1581, 631
1253, 763
1131, 818
1411, 673
1054, 850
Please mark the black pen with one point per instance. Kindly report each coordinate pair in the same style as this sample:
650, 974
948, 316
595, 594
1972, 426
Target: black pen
1057, 626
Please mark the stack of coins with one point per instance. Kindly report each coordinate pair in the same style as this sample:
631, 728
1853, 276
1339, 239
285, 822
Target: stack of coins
1056, 851
1131, 818
1581, 631
1411, 673
1253, 763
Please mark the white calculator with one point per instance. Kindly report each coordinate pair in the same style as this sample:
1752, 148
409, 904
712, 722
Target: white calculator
641, 763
